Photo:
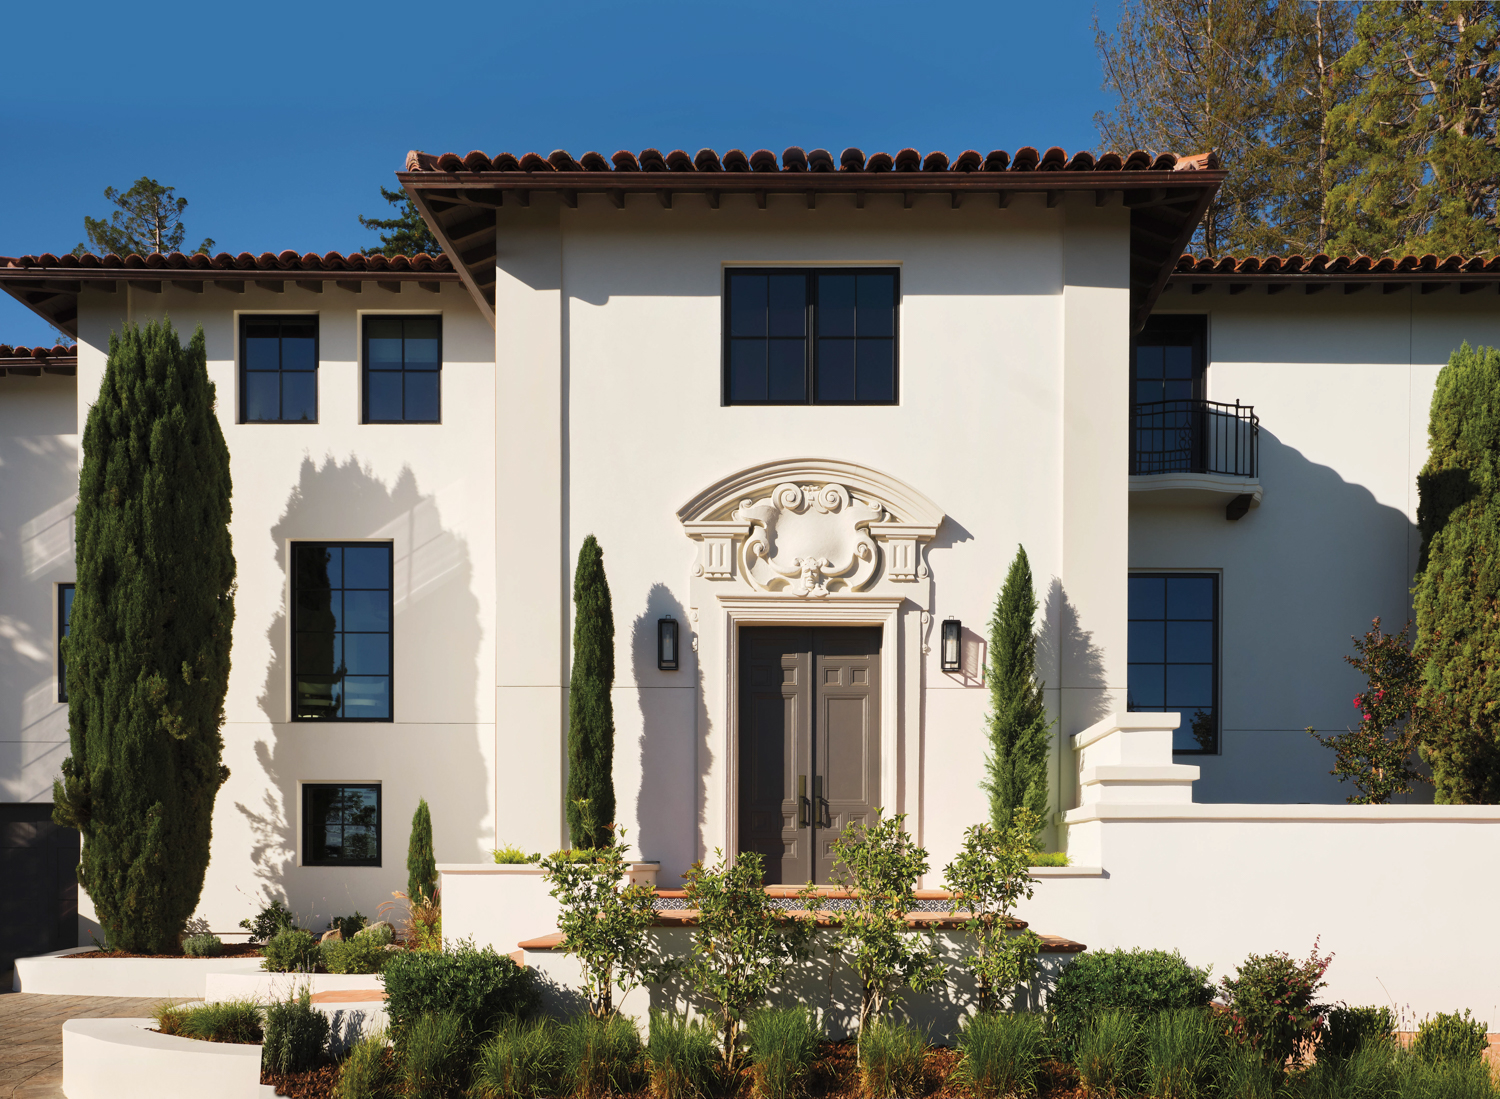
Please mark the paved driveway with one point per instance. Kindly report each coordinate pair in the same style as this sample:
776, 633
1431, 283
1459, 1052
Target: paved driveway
31, 1050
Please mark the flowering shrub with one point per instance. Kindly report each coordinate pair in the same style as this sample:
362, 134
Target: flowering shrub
1273, 1003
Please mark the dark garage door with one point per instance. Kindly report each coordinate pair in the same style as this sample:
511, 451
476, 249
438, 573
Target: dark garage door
38, 883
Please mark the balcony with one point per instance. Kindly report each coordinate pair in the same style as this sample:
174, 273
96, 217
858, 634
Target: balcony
1192, 452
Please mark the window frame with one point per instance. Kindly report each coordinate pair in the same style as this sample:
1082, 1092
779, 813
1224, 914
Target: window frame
292, 629
64, 614
305, 853
810, 359
244, 365
1216, 674
364, 366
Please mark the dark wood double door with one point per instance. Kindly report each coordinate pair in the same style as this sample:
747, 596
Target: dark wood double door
809, 744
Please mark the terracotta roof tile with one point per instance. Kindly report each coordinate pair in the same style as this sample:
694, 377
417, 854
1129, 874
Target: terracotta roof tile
245, 261
1334, 265
40, 354
36, 361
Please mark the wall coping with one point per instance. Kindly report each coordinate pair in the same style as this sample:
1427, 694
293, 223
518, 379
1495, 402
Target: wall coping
530, 868
1338, 814
1133, 721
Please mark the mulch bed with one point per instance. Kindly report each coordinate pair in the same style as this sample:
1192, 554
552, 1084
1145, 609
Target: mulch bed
315, 1083
231, 950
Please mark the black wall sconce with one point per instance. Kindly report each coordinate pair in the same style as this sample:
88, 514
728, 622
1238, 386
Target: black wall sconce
952, 650
666, 644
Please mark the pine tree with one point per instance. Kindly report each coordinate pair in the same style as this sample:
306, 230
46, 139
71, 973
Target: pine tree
1020, 734
421, 864
591, 716
406, 234
148, 642
149, 219
1457, 594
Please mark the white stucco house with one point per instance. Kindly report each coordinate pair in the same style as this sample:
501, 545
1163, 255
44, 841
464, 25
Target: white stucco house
809, 407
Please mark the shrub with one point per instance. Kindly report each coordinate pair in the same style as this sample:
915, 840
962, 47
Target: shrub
1347, 1028
681, 1057
203, 946
291, 951
1371, 1069
892, 1061
511, 855
380, 932
1001, 1054
599, 1056
225, 1021
366, 1073
273, 919
992, 873
348, 926
1181, 1053
1147, 981
421, 865
480, 987
783, 1046
434, 1063
1050, 858
1450, 1038
1273, 1001
1108, 1052
1417, 1079
361, 954
523, 1061
424, 924
296, 1034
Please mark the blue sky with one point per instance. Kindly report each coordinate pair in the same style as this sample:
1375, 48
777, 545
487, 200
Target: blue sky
279, 121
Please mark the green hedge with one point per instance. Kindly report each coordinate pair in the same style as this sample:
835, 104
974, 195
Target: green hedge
1140, 981
481, 987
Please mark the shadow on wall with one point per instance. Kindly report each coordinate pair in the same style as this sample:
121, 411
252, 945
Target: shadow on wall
431, 749
1079, 662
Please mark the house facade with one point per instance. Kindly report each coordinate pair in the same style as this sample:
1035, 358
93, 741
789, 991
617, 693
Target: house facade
810, 410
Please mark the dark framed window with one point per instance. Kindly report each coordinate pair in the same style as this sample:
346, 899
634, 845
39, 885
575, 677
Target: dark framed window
1171, 356
64, 615
341, 824
403, 359
278, 369
1173, 653
810, 335
341, 631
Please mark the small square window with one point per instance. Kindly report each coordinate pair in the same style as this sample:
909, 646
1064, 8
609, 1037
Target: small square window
341, 631
64, 615
341, 824
278, 369
403, 364
1173, 653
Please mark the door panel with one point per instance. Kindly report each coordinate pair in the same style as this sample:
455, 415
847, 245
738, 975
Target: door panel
846, 736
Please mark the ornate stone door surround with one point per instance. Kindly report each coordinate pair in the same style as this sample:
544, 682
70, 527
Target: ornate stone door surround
807, 541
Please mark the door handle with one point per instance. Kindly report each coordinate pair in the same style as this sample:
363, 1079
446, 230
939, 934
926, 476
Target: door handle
823, 811
802, 801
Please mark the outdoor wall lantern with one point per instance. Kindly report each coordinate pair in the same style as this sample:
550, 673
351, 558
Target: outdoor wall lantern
952, 650
666, 644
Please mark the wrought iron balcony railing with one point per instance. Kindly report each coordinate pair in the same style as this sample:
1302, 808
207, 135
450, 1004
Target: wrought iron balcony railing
1195, 437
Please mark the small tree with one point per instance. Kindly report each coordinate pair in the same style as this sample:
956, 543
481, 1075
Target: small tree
880, 865
605, 923
990, 874
591, 715
1377, 756
742, 943
421, 865
1020, 734
149, 219
406, 234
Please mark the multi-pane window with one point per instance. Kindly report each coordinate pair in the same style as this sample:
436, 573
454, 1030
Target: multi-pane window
279, 369
341, 631
1167, 391
1173, 653
340, 824
403, 359
799, 336
64, 615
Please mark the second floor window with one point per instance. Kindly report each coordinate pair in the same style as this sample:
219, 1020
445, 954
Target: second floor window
341, 631
810, 336
403, 359
279, 369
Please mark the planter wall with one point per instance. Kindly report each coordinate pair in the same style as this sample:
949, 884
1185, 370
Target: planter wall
124, 1059
55, 975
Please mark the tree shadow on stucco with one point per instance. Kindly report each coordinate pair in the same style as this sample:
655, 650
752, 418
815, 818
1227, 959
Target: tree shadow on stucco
435, 679
1065, 647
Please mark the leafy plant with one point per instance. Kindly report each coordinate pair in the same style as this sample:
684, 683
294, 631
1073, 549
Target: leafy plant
1147, 981
236, 1021
1182, 1053
348, 926
523, 1061
379, 932
605, 925
203, 946
1107, 1052
880, 865
1050, 858
991, 873
511, 855
291, 951
1002, 1054
367, 1072
296, 1034
421, 864
682, 1058
423, 925
479, 986
1450, 1038
433, 1062
742, 944
361, 954
892, 1061
1346, 1029
1272, 999
600, 1055
783, 1046
272, 919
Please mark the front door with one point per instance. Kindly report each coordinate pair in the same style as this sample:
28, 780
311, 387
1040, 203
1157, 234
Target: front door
809, 744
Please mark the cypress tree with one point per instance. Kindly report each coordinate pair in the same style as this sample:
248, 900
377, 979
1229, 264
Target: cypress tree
1457, 594
148, 641
1020, 734
421, 865
591, 716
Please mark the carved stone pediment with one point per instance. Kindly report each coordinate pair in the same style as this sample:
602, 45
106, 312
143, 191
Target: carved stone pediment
809, 539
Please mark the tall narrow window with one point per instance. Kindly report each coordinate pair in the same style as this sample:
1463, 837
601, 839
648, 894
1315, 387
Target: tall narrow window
803, 336
1167, 396
341, 631
403, 369
1173, 653
340, 824
64, 614
279, 369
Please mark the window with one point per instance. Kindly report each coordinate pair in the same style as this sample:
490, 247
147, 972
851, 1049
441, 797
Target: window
1173, 653
341, 631
279, 369
1170, 359
64, 614
340, 825
804, 336
403, 366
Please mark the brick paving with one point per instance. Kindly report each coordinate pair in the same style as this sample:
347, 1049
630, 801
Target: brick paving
31, 1050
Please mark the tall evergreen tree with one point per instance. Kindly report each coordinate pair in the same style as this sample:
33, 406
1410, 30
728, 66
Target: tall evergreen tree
1020, 734
421, 864
148, 641
591, 715
406, 234
149, 219
1457, 593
